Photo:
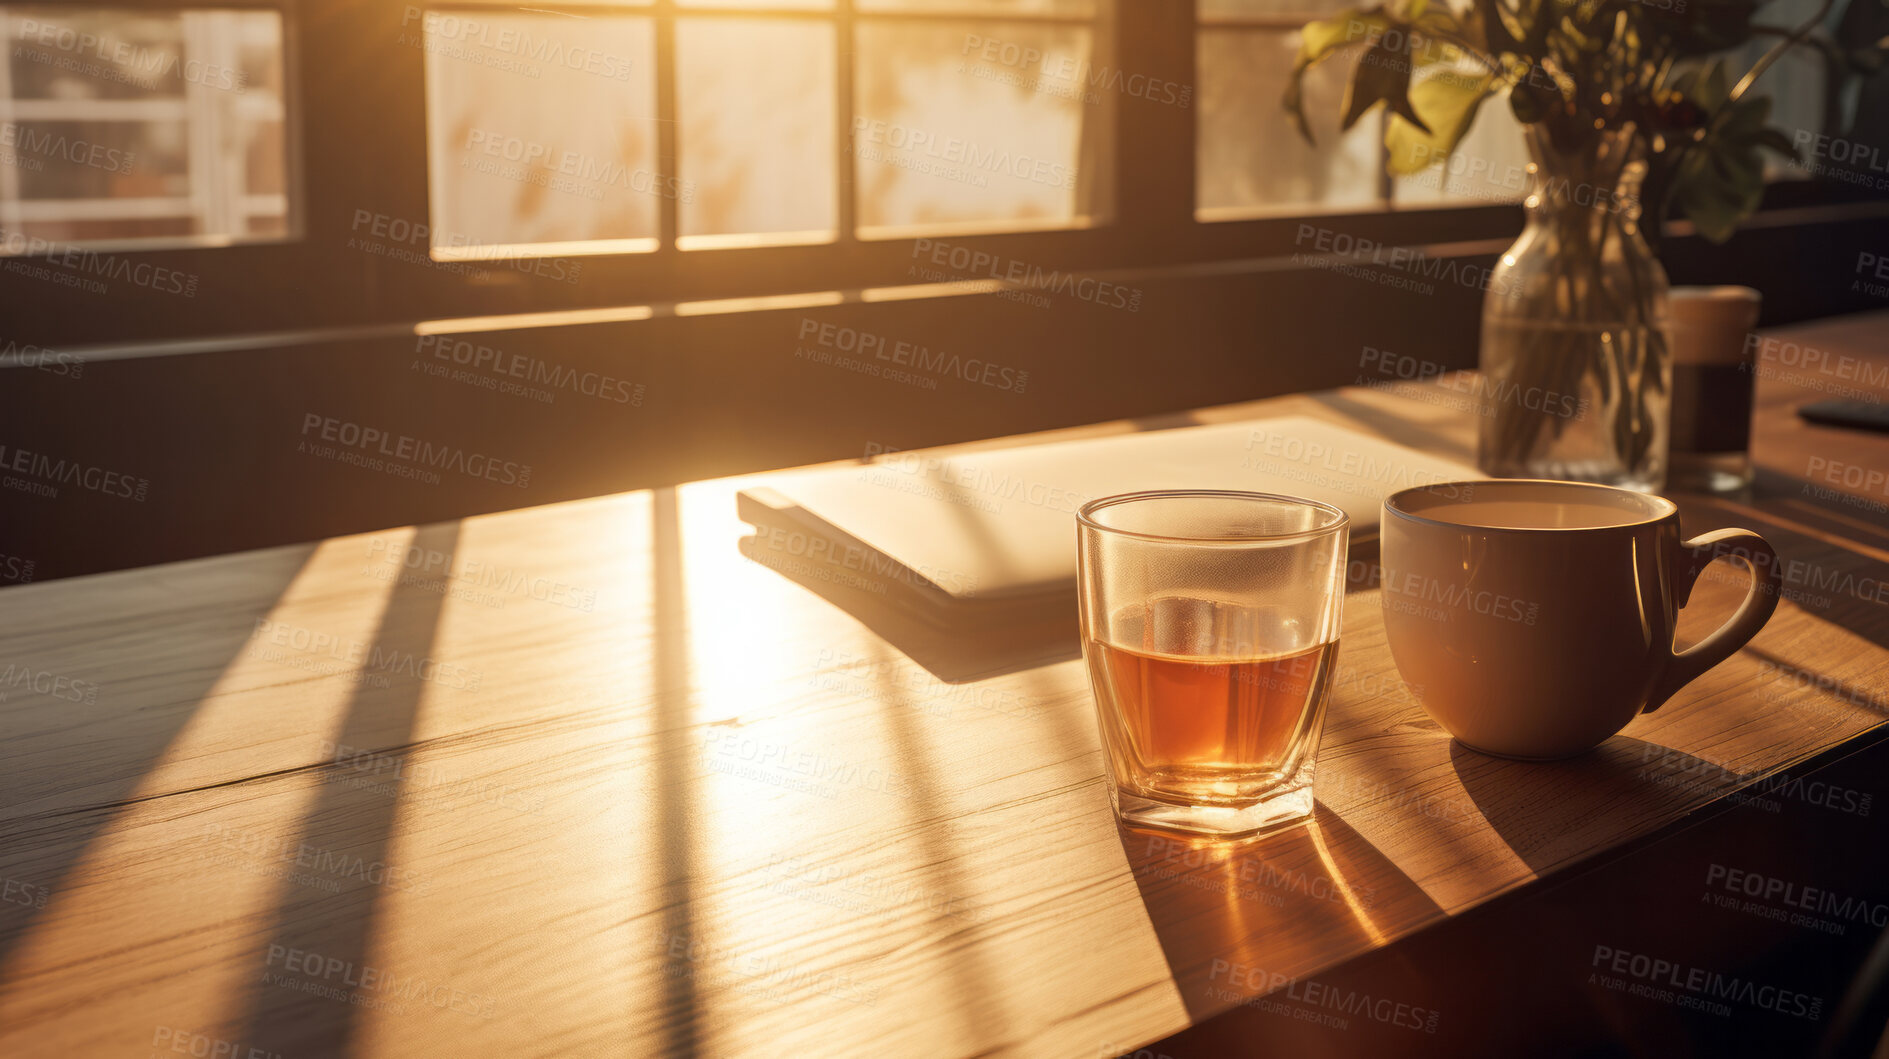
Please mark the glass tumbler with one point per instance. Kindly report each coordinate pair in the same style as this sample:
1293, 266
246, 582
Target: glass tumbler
1210, 623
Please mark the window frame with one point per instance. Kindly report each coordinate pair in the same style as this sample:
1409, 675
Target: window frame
343, 62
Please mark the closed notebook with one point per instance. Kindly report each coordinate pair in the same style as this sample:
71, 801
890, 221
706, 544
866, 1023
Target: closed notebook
995, 529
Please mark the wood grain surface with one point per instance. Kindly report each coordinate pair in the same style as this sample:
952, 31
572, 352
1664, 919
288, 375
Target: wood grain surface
584, 780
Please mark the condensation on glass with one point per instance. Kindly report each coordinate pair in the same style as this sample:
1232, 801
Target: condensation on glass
142, 127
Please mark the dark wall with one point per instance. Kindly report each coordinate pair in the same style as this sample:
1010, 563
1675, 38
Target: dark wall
220, 436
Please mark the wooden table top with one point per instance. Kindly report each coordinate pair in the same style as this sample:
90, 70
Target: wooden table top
584, 780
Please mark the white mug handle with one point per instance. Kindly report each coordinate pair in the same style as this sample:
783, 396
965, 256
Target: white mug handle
1689, 560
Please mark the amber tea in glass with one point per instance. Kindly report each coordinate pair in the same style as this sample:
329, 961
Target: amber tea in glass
1210, 625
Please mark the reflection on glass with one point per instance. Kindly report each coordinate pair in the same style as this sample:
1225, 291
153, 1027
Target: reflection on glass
121, 124
542, 129
755, 128
1250, 156
948, 130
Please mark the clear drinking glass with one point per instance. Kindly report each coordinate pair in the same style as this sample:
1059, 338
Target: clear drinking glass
1210, 624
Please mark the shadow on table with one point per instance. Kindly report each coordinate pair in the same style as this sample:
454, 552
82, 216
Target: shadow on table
348, 819
956, 640
1550, 813
1238, 921
49, 748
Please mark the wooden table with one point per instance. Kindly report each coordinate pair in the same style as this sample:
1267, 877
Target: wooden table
583, 780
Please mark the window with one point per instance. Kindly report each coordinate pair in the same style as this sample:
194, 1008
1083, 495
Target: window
793, 122
141, 128
392, 162
1251, 160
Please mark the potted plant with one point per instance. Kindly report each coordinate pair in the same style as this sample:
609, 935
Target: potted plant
1630, 113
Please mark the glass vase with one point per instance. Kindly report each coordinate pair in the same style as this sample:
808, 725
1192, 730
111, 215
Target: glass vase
1575, 340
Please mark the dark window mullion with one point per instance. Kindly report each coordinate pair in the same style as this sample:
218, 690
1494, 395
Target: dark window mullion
845, 49
1154, 199
668, 138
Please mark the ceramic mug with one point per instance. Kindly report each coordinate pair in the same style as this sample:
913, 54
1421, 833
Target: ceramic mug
1534, 619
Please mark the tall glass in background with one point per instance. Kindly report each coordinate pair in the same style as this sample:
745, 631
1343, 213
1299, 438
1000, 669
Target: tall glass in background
1714, 375
1210, 623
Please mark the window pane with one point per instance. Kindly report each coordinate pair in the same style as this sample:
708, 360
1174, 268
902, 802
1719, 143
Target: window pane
1250, 156
755, 116
1083, 8
117, 159
121, 124
780, 5
962, 123
1292, 10
541, 129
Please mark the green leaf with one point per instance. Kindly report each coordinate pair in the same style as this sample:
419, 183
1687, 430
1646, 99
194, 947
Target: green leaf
1382, 76
1712, 88
1773, 139
1319, 40
1447, 103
